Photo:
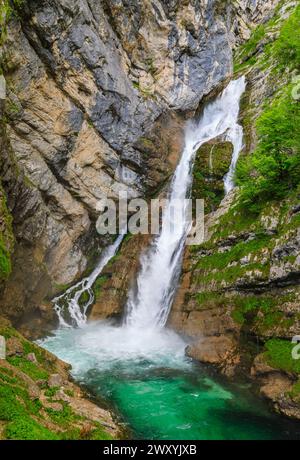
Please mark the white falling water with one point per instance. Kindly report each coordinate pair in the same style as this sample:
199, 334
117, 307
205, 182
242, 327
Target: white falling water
68, 305
142, 338
235, 136
148, 306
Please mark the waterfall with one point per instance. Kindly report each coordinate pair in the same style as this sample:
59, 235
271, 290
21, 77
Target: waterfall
149, 304
70, 309
142, 337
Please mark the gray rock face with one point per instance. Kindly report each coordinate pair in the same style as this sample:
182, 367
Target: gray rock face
247, 14
87, 81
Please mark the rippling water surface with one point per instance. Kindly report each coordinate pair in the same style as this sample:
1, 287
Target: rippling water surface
159, 393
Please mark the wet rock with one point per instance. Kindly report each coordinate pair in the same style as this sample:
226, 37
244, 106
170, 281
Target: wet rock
117, 277
212, 350
287, 406
275, 386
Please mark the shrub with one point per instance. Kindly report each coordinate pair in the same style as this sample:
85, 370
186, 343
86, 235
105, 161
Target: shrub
274, 168
287, 46
279, 355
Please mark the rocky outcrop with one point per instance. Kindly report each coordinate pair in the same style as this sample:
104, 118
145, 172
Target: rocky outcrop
212, 162
94, 96
217, 350
248, 14
117, 278
39, 399
281, 388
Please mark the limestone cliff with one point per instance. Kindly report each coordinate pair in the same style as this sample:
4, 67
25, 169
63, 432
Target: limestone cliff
94, 89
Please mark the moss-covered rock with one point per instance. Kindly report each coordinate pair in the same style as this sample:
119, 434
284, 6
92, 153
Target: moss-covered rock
31, 408
211, 164
6, 237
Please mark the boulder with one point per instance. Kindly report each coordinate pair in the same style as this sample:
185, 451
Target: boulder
275, 386
14, 347
212, 350
55, 380
260, 366
31, 357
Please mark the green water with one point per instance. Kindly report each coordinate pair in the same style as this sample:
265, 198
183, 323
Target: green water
160, 394
177, 405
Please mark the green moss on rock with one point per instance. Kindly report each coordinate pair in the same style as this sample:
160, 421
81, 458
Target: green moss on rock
97, 287
278, 354
29, 408
6, 237
211, 164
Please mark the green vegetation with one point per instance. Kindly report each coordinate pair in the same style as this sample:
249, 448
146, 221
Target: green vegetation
146, 143
287, 47
29, 368
295, 391
225, 267
261, 312
5, 12
23, 414
251, 304
234, 273
272, 171
26, 428
247, 54
84, 298
6, 237
50, 392
279, 355
61, 288
5, 263
97, 287
211, 164
18, 410
7, 9
221, 260
64, 417
150, 66
215, 298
